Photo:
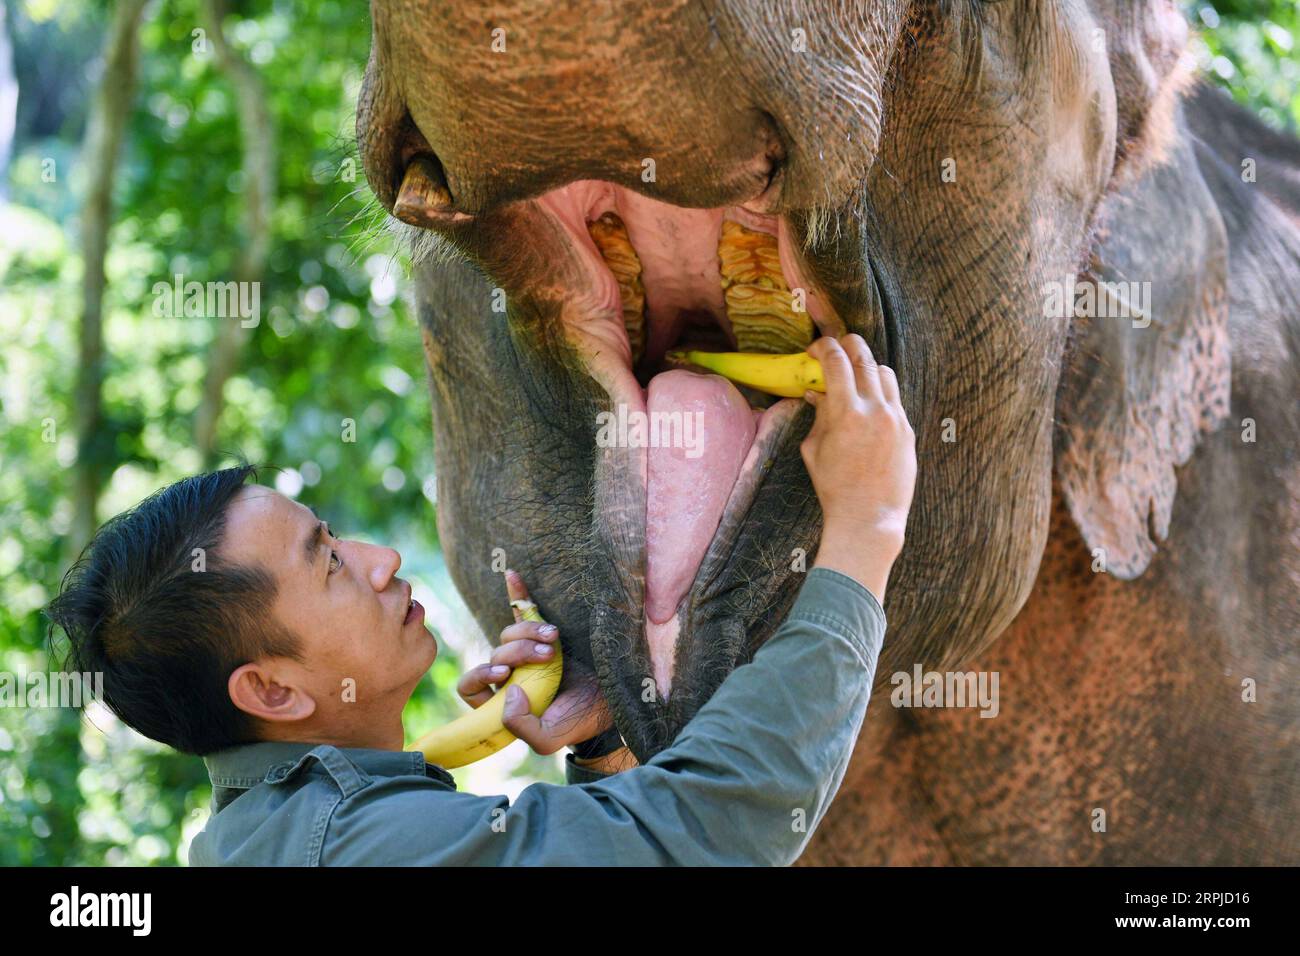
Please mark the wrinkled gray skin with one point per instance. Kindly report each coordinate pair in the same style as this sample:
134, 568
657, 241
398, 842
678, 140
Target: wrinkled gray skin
1121, 691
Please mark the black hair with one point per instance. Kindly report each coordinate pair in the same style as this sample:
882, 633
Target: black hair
152, 606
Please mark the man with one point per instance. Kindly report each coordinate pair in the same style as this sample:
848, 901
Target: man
227, 618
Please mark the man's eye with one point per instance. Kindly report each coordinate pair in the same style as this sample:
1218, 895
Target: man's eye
335, 562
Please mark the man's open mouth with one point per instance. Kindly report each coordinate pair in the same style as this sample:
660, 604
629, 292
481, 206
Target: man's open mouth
414, 609
414, 612
659, 277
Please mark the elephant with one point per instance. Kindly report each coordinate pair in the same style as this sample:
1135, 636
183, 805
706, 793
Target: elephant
1082, 265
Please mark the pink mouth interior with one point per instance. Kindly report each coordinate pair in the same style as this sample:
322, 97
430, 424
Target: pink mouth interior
687, 488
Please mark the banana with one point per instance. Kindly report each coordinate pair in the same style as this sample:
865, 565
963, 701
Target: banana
480, 733
786, 375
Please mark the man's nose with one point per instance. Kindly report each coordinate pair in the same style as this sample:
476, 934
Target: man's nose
382, 564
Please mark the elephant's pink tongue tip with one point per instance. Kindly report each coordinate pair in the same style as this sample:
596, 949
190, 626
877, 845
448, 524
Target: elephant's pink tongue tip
688, 483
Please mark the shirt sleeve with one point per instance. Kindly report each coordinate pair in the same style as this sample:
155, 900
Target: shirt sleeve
575, 773
745, 783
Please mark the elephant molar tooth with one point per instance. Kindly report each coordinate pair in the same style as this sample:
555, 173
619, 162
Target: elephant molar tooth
760, 305
611, 238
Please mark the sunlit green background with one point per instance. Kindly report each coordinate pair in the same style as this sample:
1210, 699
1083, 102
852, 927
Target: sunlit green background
337, 341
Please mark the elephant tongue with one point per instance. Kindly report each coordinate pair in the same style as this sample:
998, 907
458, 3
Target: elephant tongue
689, 481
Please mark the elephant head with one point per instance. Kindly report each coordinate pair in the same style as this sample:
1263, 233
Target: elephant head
583, 180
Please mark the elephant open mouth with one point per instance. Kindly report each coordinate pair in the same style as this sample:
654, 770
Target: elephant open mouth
685, 578
657, 277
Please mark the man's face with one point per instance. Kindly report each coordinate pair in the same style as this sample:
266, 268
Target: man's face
364, 644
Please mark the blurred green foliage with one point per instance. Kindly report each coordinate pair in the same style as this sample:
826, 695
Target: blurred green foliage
1250, 48
336, 341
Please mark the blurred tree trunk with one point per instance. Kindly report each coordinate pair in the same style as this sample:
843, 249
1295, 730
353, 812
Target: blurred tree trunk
8, 100
257, 132
105, 128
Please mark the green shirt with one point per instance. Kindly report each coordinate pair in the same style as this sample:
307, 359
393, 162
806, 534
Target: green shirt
746, 781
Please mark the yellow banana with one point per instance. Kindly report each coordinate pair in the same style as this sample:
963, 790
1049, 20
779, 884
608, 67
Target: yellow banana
480, 733
786, 375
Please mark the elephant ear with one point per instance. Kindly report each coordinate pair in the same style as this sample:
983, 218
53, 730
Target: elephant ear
1137, 393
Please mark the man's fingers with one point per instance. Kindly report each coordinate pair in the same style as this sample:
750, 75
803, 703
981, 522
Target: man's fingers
530, 631
837, 371
518, 653
519, 720
889, 386
475, 685
866, 373
515, 591
574, 716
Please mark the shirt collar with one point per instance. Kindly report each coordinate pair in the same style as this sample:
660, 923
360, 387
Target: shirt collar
247, 765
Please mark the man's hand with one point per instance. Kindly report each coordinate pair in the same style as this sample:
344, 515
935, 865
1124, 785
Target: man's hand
578, 712
861, 456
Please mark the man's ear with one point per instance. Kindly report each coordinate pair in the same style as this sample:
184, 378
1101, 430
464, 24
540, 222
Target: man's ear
263, 690
1138, 393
